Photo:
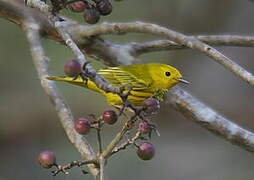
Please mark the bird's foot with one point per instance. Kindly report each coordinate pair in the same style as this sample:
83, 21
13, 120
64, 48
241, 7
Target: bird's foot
84, 74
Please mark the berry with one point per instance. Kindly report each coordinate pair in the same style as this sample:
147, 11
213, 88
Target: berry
82, 126
78, 6
144, 127
151, 104
110, 117
91, 15
47, 159
72, 68
104, 7
146, 151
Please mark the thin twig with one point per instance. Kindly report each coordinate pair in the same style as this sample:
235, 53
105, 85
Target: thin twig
102, 164
214, 40
127, 126
200, 113
125, 144
115, 141
63, 110
98, 129
64, 168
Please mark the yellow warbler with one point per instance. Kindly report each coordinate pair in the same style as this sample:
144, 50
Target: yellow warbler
145, 80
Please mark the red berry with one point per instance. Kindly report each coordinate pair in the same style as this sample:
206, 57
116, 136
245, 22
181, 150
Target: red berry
47, 159
82, 126
78, 6
91, 15
151, 104
146, 151
72, 68
144, 127
110, 117
104, 7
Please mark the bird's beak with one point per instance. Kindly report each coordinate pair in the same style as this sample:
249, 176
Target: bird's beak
183, 80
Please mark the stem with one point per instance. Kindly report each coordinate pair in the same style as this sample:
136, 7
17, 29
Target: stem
126, 143
102, 164
99, 137
106, 153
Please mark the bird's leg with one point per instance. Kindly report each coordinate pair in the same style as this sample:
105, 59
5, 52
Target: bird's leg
124, 97
83, 77
127, 104
84, 74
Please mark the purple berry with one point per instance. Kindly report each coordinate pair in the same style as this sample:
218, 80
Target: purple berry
144, 127
91, 15
72, 68
146, 151
82, 126
78, 6
104, 7
47, 159
151, 104
110, 117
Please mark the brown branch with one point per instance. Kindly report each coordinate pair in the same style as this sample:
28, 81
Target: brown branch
63, 168
102, 165
214, 40
41, 64
106, 153
200, 113
99, 137
125, 144
127, 126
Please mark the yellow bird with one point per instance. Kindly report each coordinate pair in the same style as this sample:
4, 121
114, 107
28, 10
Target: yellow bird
145, 80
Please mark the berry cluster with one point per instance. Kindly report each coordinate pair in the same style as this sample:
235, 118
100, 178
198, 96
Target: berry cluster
145, 150
92, 10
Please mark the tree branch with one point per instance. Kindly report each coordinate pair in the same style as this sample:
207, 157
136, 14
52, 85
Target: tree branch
200, 113
125, 144
41, 63
214, 40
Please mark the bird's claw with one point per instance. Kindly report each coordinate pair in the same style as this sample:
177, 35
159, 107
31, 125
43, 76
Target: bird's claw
84, 74
124, 96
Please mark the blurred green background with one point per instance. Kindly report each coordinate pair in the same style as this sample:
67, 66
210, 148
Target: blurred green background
29, 125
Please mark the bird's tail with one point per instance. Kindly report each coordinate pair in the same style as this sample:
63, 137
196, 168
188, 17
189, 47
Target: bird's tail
78, 82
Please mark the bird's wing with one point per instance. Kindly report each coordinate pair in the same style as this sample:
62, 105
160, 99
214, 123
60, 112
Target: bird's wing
119, 77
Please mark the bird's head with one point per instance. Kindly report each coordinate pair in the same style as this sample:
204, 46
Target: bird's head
166, 76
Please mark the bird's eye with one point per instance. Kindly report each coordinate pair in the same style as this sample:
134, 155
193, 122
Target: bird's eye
167, 73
